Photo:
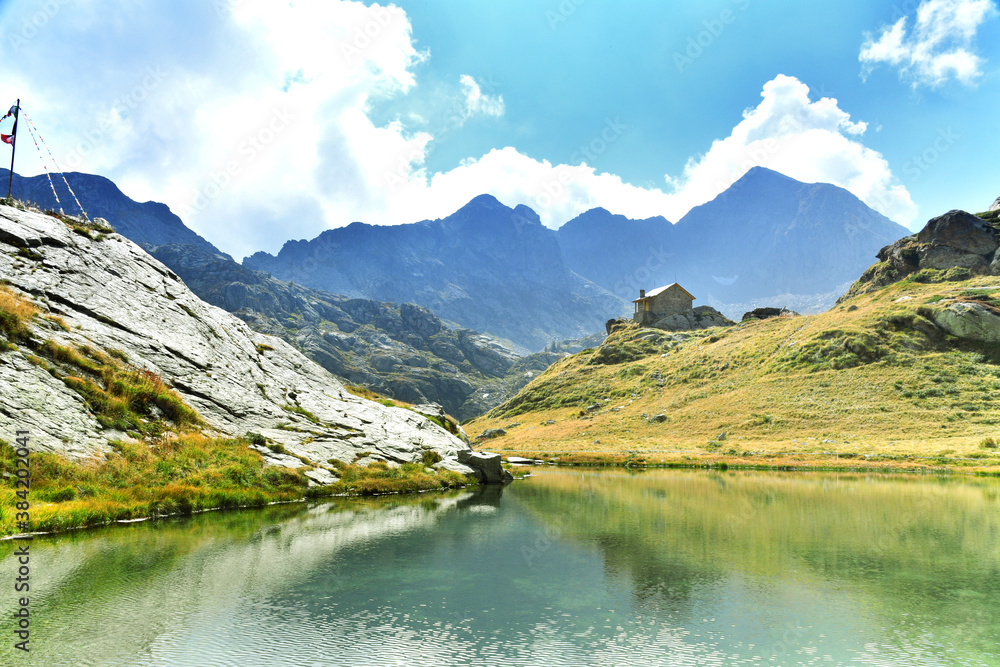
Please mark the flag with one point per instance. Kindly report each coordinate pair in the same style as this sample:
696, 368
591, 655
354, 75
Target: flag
12, 112
7, 138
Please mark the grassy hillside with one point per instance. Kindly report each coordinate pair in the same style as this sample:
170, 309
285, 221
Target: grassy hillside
874, 382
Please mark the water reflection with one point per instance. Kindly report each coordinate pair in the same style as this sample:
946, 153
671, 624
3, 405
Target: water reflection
895, 569
566, 568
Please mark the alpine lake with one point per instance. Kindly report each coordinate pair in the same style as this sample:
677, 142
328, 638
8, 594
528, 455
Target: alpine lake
566, 567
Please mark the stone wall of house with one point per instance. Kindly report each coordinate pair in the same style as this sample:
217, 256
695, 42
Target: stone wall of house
642, 317
671, 302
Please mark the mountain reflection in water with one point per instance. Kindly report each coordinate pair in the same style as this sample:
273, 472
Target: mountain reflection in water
568, 567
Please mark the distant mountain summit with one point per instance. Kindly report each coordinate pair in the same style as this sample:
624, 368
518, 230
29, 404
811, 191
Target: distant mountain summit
150, 223
487, 266
766, 238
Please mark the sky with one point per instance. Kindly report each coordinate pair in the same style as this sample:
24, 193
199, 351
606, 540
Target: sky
260, 121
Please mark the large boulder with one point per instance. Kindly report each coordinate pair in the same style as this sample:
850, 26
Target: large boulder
702, 317
943, 257
767, 313
974, 321
960, 230
487, 466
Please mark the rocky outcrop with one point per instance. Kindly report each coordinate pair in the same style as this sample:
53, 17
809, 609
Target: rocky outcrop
112, 296
996, 205
488, 467
959, 231
953, 246
702, 317
766, 313
491, 433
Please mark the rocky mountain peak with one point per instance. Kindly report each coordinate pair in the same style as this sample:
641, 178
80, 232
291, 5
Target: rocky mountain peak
996, 205
484, 204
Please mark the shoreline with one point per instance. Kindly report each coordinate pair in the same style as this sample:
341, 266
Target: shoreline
222, 508
881, 463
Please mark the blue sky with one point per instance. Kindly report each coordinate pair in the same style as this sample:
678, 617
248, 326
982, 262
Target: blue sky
259, 121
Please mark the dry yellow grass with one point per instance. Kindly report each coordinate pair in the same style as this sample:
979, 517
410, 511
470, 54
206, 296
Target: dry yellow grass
870, 382
15, 313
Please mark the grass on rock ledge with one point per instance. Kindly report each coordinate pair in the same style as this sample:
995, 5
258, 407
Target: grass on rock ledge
179, 476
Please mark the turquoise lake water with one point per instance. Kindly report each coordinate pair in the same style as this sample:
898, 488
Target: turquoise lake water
567, 567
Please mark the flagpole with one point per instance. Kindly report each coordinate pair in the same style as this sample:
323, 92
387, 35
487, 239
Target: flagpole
13, 147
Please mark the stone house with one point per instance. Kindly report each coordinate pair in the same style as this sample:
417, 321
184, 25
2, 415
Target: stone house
661, 302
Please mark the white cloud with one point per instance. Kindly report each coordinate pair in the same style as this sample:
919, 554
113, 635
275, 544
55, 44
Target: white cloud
940, 46
476, 102
809, 141
254, 124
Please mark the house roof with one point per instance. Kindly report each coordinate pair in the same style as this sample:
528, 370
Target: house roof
659, 290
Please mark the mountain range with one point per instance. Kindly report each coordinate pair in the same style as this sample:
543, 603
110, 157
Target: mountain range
490, 283
149, 223
487, 266
767, 240
402, 351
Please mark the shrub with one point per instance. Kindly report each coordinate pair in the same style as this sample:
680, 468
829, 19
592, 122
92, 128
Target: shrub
430, 457
121, 396
988, 443
255, 438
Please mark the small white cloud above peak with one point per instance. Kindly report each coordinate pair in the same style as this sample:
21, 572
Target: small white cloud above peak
810, 141
939, 47
478, 103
